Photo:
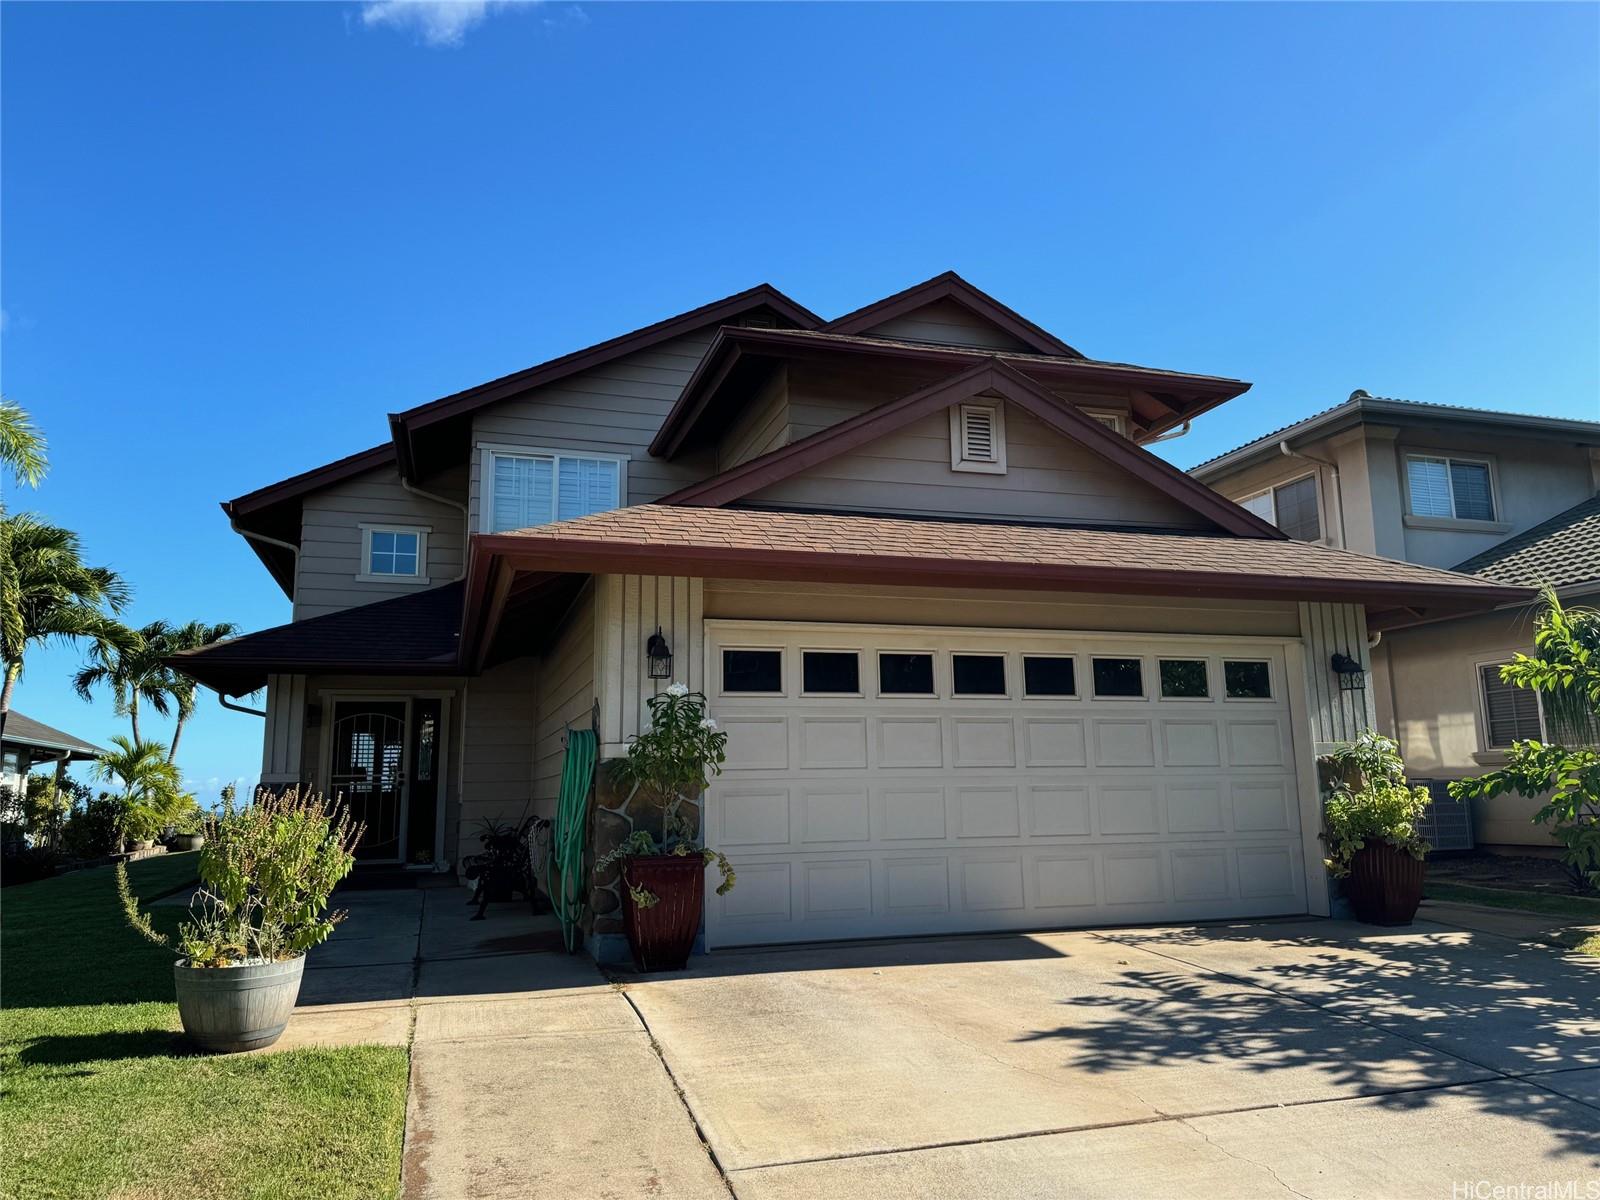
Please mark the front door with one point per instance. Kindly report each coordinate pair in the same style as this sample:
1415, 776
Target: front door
368, 773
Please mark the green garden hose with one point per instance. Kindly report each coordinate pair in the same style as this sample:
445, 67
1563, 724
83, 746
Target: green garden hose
567, 835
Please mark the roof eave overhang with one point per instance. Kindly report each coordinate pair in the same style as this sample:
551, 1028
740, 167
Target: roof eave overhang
731, 343
497, 558
240, 677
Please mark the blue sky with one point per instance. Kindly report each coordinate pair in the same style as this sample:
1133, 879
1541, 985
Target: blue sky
235, 236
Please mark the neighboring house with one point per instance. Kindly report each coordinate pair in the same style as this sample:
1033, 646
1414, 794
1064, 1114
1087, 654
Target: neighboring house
984, 661
28, 743
1513, 499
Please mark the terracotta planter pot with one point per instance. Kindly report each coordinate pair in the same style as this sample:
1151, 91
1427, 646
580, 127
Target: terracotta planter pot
1384, 884
229, 1009
662, 935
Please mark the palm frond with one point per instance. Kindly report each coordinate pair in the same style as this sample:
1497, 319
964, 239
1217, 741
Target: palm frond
22, 446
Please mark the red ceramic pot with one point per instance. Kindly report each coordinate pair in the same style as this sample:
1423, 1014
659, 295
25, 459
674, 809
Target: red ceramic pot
1384, 884
662, 935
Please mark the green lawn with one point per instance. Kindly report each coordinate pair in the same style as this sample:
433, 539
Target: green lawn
100, 1096
1582, 909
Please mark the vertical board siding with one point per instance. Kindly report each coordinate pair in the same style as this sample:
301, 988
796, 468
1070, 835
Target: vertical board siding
497, 766
628, 609
330, 539
566, 697
283, 739
1336, 715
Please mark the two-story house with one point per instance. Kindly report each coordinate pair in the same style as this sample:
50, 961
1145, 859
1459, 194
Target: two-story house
985, 662
1511, 498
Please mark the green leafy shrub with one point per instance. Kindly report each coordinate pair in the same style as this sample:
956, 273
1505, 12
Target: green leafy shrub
670, 763
94, 827
267, 873
1370, 801
1565, 670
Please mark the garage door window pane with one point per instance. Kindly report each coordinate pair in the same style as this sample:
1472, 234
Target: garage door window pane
1247, 680
979, 674
905, 674
1184, 679
831, 671
1045, 676
752, 670
1118, 677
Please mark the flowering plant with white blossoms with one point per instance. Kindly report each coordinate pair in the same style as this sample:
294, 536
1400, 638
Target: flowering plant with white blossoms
672, 762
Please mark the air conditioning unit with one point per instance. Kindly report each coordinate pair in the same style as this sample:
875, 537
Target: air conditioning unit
1447, 823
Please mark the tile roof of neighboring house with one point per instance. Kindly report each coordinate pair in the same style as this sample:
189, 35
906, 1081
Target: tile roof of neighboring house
767, 543
1561, 552
1362, 404
412, 634
23, 730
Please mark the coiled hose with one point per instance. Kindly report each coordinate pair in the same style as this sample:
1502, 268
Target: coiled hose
569, 835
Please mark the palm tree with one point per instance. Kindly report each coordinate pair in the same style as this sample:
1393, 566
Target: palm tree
152, 790
193, 636
46, 592
21, 444
133, 670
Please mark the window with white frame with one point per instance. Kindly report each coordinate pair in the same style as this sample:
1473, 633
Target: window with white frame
394, 553
536, 487
1291, 506
978, 438
1510, 714
1454, 488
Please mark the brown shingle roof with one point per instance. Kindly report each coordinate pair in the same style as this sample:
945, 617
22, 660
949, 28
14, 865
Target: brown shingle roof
761, 543
1561, 552
413, 634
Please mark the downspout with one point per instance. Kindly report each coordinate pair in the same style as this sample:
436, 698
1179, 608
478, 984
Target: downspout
466, 519
1169, 435
1338, 490
291, 547
239, 708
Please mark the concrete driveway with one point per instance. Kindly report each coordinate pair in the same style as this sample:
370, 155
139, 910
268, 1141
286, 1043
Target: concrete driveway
1308, 1058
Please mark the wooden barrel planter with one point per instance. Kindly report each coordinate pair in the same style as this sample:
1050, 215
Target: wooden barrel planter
662, 935
1384, 885
229, 1009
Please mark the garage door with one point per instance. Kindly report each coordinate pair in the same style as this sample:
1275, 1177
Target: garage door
890, 781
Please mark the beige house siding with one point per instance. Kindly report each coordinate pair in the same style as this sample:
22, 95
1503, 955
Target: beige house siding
283, 739
566, 698
1336, 714
628, 609
331, 538
947, 323
1048, 478
1430, 697
614, 409
498, 760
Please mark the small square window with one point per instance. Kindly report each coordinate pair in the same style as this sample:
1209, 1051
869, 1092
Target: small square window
394, 552
1184, 679
901, 674
830, 671
1049, 675
979, 674
752, 671
1247, 680
1117, 677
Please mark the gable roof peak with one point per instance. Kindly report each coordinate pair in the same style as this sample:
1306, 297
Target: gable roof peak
947, 285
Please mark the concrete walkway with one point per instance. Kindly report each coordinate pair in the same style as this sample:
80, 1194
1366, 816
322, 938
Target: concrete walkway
531, 1075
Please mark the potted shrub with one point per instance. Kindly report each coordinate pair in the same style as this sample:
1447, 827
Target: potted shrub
188, 829
266, 874
663, 868
1370, 827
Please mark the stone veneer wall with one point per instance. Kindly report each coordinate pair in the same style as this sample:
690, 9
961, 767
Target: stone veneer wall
613, 818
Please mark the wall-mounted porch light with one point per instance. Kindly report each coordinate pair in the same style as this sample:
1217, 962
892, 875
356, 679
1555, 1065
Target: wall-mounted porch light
659, 655
1351, 676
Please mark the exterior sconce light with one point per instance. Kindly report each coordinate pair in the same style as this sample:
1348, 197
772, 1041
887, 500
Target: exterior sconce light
1351, 677
659, 655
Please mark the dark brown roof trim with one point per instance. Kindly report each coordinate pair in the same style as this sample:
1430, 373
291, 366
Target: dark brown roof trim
731, 343
403, 424
950, 286
309, 481
992, 375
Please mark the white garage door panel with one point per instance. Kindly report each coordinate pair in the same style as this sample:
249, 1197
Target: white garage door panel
872, 815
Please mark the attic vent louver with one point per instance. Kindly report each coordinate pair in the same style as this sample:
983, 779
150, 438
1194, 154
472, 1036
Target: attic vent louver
978, 438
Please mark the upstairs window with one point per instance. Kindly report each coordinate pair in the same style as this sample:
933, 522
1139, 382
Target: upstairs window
1292, 507
1455, 488
978, 438
391, 554
536, 488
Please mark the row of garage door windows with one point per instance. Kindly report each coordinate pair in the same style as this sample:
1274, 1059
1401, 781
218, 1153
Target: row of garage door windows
759, 672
